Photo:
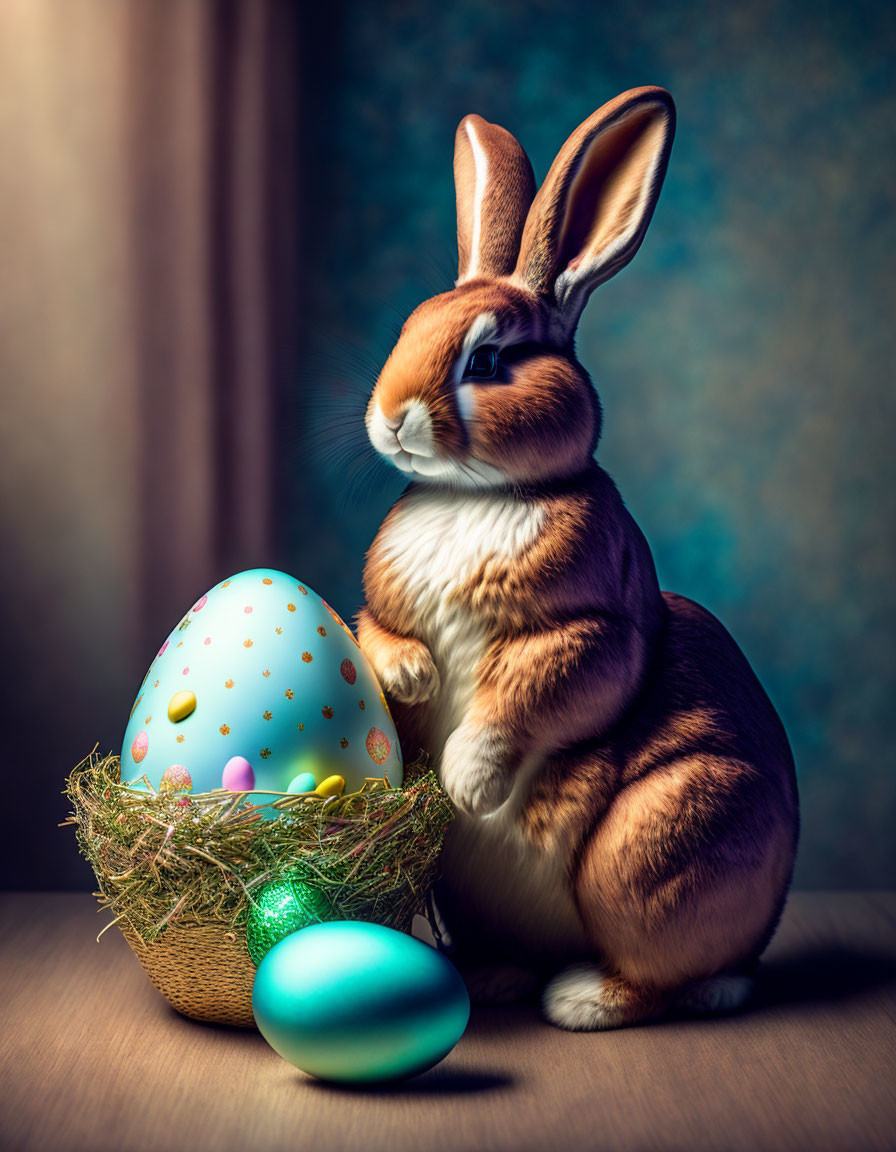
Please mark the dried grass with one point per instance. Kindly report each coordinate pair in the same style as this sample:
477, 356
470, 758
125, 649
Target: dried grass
159, 861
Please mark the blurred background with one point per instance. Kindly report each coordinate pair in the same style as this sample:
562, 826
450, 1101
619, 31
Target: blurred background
213, 216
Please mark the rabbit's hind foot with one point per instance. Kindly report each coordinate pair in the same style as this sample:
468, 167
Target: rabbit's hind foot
715, 996
500, 983
586, 998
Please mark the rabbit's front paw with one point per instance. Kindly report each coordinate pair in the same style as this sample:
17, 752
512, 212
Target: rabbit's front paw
474, 769
412, 676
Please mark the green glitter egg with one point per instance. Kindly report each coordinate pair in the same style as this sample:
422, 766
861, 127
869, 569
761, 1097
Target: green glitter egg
282, 907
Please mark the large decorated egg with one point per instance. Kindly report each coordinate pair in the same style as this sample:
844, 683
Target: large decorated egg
262, 687
356, 1002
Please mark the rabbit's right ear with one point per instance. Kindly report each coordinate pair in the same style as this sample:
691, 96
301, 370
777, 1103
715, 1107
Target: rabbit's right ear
495, 187
592, 210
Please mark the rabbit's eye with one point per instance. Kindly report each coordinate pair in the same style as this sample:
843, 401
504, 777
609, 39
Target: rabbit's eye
483, 364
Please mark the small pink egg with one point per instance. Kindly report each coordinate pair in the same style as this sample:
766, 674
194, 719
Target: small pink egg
140, 747
238, 775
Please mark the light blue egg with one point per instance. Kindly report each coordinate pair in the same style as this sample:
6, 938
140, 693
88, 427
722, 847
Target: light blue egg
356, 1002
260, 668
304, 782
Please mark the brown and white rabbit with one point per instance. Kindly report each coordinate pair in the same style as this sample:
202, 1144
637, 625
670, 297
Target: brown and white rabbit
627, 800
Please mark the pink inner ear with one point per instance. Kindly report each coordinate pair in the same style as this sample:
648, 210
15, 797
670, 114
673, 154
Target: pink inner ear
574, 263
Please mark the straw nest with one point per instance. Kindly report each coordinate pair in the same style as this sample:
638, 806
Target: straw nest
178, 872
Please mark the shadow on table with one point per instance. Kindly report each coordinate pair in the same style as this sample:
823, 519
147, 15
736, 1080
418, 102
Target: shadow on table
820, 976
436, 1082
823, 975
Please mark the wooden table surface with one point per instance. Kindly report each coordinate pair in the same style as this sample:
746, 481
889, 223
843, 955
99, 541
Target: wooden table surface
94, 1059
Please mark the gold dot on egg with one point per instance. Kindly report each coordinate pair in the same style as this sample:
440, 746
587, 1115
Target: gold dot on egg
156, 684
360, 703
228, 683
302, 589
265, 752
289, 693
301, 727
247, 643
266, 673
279, 631
268, 715
321, 630
307, 657
225, 584
290, 607
327, 712
267, 580
147, 720
136, 702
180, 739
224, 730
181, 644
343, 742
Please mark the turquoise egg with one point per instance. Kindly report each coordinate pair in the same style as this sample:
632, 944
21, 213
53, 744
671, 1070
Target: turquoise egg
262, 675
304, 782
357, 1002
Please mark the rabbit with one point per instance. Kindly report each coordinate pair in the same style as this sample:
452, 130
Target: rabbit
627, 810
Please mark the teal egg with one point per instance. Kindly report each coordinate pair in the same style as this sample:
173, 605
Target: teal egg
356, 1002
304, 782
262, 674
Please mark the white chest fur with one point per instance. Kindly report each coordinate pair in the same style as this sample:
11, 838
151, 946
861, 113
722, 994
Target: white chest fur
436, 545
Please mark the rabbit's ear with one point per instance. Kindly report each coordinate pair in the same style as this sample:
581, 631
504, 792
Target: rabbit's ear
591, 213
495, 186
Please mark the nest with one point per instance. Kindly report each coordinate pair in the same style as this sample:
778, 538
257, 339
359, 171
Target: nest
178, 872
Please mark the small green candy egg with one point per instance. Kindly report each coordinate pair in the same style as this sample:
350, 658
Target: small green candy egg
282, 907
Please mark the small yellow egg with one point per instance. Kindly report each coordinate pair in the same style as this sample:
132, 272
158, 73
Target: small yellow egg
332, 786
181, 705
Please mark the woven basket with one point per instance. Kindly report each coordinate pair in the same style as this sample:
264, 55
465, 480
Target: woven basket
202, 969
197, 955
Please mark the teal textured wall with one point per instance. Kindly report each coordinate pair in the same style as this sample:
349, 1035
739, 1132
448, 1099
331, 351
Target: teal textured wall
744, 360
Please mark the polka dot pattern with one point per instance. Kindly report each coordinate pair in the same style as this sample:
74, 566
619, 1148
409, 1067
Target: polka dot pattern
278, 686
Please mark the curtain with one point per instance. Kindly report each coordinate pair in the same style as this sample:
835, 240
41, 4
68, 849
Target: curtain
148, 206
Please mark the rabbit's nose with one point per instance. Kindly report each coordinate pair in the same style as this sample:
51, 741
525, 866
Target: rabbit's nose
394, 425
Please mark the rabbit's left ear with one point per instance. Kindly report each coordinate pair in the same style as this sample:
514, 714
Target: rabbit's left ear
495, 186
591, 213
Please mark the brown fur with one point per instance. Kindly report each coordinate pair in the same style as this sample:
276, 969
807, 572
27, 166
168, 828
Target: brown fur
641, 756
509, 193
